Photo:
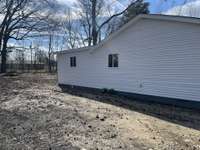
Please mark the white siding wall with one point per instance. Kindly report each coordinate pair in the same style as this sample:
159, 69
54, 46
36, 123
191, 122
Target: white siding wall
155, 58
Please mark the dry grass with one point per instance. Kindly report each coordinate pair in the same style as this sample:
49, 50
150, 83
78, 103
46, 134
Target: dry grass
36, 114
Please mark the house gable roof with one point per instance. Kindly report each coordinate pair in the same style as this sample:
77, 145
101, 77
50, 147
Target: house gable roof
182, 19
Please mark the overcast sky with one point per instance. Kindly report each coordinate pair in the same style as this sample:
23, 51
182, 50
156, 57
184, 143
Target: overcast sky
191, 8
156, 6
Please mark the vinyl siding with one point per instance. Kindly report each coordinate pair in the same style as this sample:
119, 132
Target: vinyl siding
158, 58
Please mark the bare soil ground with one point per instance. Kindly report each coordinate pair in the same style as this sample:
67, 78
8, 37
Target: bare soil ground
36, 114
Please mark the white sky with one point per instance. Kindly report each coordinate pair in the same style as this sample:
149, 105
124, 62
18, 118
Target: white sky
189, 9
67, 1
117, 3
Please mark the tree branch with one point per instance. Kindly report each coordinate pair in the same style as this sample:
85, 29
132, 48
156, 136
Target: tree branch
115, 15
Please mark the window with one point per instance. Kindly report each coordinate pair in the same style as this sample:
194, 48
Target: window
113, 60
73, 61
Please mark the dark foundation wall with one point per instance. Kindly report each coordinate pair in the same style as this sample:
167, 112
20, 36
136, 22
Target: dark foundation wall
137, 97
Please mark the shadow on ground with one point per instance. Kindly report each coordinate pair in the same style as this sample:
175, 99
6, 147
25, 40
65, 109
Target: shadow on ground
178, 115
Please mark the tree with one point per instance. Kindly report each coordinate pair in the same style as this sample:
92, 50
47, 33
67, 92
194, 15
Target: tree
72, 37
53, 26
92, 10
94, 22
139, 7
19, 19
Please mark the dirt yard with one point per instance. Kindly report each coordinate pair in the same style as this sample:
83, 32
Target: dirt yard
36, 114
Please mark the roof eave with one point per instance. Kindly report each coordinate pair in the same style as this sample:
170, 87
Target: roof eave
73, 50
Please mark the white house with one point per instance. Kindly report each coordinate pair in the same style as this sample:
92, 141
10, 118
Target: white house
153, 56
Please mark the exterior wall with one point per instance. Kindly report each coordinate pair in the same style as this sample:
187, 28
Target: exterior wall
155, 58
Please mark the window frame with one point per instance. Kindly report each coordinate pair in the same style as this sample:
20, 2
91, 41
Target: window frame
113, 60
73, 63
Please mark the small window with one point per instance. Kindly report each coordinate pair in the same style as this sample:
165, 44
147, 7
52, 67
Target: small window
73, 61
113, 60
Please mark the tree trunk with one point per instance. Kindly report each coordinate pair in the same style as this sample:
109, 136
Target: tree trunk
4, 56
3, 62
94, 23
89, 35
50, 47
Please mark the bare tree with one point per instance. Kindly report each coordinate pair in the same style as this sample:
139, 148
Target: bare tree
53, 26
71, 33
91, 12
20, 18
